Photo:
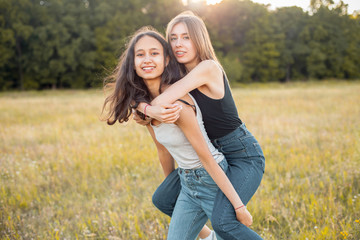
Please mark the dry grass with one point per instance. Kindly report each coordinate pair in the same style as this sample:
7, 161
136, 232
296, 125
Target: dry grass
66, 175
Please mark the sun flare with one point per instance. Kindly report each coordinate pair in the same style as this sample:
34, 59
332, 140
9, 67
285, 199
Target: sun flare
213, 2
208, 2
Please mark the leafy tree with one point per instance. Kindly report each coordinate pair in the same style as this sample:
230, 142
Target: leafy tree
16, 29
290, 22
69, 43
328, 36
63, 45
260, 53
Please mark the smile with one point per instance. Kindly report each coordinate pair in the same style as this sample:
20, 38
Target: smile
148, 68
179, 53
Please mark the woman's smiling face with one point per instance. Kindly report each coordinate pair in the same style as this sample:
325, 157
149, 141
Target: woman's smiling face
149, 58
183, 47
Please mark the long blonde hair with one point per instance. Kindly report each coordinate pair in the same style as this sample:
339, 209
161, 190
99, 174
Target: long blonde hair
198, 34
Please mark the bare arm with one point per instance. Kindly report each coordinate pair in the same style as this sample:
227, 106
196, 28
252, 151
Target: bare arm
166, 160
189, 125
166, 113
206, 73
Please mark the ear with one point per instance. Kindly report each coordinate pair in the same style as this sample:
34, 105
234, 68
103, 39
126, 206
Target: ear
167, 60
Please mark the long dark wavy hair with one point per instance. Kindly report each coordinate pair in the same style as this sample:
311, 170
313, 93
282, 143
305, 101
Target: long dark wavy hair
127, 88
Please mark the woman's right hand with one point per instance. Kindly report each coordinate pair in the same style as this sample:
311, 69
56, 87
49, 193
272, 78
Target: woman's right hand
244, 216
165, 113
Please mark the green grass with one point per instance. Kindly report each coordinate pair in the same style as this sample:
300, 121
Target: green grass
64, 174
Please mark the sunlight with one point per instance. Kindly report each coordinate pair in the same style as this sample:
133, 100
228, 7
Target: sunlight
208, 2
213, 2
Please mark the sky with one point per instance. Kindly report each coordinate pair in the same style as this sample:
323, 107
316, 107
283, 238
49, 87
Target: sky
353, 4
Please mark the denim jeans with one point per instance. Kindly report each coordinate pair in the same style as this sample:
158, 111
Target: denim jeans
246, 164
194, 205
246, 168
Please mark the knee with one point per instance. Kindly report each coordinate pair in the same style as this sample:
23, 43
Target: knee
160, 203
223, 225
158, 200
217, 226
165, 196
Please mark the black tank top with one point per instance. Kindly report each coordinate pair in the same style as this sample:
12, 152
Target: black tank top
220, 116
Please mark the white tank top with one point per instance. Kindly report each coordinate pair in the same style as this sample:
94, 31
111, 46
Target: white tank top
174, 140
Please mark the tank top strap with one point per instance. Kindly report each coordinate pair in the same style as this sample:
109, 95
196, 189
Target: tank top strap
185, 102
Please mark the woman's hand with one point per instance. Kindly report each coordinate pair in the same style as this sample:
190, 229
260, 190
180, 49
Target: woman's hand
244, 216
165, 113
139, 120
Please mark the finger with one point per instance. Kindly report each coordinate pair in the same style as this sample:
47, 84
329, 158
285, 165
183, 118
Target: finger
175, 118
136, 117
171, 119
171, 115
169, 105
141, 122
165, 117
173, 110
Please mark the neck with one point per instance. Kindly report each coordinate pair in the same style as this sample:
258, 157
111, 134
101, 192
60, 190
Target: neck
192, 65
153, 87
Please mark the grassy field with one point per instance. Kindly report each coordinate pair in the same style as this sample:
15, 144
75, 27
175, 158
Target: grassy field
64, 174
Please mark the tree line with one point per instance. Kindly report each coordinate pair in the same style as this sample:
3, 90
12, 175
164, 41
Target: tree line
75, 43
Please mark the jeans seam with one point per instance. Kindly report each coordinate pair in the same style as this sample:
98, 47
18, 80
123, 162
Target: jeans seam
221, 225
244, 133
235, 152
192, 224
229, 204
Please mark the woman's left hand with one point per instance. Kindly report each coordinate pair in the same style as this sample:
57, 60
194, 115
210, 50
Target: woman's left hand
139, 120
244, 216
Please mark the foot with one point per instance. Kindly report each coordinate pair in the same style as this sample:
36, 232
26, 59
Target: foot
212, 236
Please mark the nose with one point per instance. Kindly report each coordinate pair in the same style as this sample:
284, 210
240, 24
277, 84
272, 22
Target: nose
147, 58
178, 43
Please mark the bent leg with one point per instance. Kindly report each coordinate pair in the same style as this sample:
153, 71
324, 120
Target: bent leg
187, 220
245, 175
165, 196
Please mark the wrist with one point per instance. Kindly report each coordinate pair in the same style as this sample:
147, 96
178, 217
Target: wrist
149, 111
241, 207
145, 108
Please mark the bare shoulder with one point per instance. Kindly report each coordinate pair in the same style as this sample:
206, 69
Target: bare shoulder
211, 67
188, 113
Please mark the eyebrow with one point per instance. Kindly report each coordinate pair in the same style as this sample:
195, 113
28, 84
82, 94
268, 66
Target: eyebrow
150, 49
185, 33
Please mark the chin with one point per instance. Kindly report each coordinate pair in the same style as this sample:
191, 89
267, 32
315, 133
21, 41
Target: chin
183, 61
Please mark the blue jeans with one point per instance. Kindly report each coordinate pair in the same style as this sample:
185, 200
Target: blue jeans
194, 205
246, 167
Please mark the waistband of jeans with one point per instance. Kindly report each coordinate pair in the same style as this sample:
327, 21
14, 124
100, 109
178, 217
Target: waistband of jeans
228, 136
198, 171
